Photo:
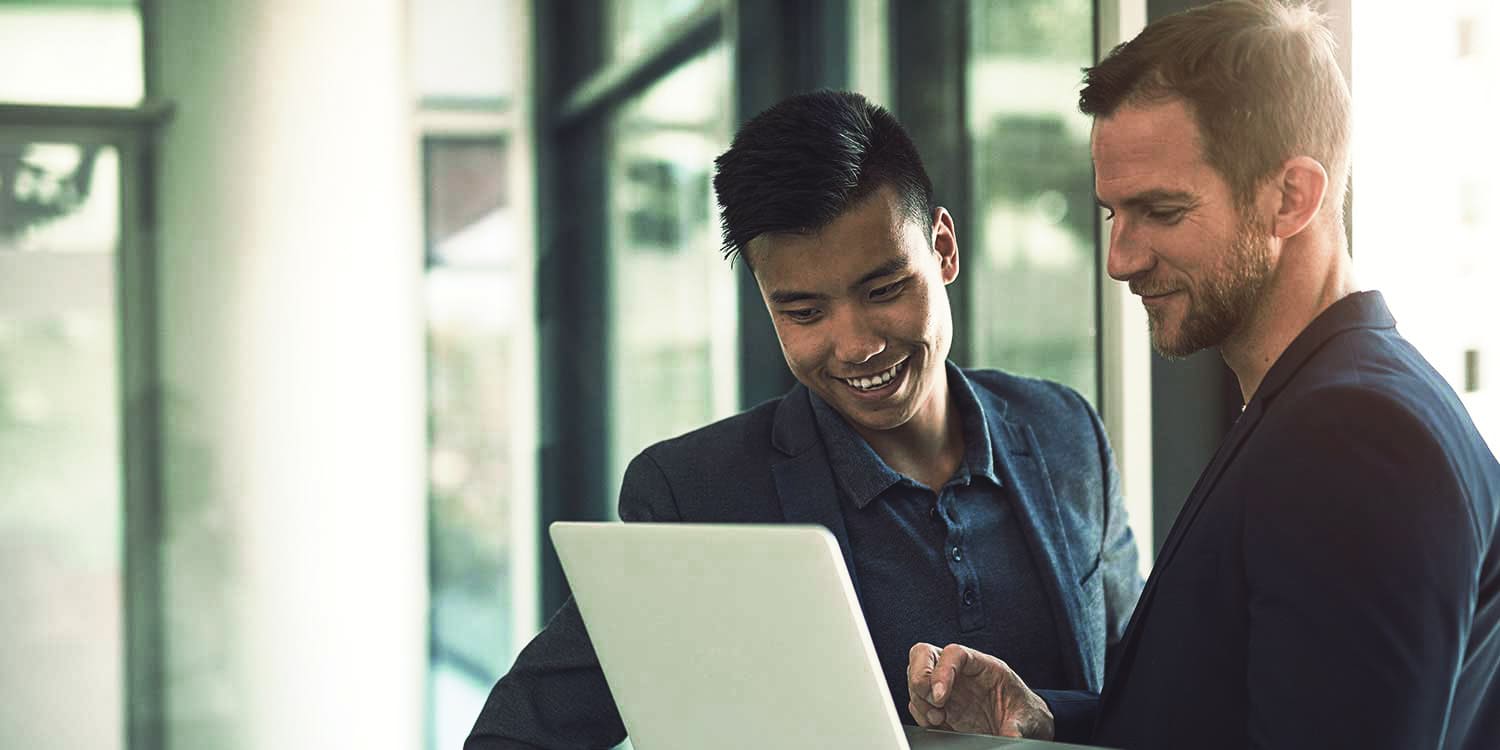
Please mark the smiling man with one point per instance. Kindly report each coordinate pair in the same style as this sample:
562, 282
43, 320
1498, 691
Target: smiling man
969, 505
1333, 579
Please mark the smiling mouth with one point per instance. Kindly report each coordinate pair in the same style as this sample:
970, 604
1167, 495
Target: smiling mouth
878, 380
1158, 295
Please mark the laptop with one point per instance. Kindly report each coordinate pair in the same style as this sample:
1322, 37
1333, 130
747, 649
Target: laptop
737, 637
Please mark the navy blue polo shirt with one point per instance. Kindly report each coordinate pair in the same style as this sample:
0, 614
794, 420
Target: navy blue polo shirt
944, 566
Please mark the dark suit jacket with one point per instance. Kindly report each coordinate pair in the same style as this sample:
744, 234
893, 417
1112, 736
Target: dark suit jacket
769, 465
1332, 580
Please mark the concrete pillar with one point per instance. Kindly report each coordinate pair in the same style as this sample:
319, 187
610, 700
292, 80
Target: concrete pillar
294, 567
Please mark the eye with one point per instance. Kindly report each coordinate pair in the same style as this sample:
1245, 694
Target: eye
1165, 215
801, 315
888, 291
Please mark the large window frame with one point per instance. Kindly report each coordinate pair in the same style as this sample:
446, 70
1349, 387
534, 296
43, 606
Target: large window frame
130, 132
506, 123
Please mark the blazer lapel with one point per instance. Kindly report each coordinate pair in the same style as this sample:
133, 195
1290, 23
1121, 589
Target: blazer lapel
1358, 310
804, 479
1022, 464
1204, 488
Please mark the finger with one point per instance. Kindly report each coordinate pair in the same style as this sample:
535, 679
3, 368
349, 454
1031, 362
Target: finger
1011, 728
919, 708
925, 715
952, 659
918, 714
919, 663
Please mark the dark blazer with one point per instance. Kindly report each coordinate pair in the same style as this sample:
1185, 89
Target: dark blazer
1332, 580
769, 465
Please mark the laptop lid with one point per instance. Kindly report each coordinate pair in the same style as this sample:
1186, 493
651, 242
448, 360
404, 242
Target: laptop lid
736, 637
729, 636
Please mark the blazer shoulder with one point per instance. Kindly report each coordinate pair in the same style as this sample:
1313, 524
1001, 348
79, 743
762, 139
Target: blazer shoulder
1376, 378
1043, 404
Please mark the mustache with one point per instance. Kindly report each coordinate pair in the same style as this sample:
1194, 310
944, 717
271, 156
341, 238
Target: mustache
1150, 287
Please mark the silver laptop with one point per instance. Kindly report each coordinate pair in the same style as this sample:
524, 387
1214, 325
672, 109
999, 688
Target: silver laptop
737, 637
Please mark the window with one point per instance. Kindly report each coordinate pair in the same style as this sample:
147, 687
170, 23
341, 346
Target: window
1031, 252
634, 25
672, 296
469, 65
1425, 225
61, 475
74, 52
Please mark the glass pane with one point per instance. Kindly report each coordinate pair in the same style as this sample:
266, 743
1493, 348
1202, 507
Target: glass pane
1030, 256
1427, 220
870, 50
635, 24
59, 198
86, 52
61, 657
672, 298
482, 431
466, 50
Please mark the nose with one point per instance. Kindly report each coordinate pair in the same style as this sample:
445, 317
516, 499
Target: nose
1128, 255
856, 339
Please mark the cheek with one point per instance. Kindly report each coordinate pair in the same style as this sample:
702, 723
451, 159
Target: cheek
798, 346
928, 313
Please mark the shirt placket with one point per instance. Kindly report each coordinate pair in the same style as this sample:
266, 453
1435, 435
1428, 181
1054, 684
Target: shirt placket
965, 576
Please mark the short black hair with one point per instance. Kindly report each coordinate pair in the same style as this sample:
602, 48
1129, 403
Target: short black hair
799, 165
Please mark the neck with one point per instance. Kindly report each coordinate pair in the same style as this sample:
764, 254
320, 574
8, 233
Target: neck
1313, 273
930, 446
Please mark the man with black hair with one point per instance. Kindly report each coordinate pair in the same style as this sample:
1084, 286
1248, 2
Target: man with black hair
970, 505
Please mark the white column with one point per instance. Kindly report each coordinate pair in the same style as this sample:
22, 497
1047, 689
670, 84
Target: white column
291, 343
1125, 341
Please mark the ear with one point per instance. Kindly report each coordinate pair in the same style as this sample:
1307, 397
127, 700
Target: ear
945, 244
1301, 187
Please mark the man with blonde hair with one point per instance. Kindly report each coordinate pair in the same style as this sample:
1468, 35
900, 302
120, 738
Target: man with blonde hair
1333, 579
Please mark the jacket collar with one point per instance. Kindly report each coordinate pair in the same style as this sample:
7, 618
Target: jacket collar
1357, 310
864, 475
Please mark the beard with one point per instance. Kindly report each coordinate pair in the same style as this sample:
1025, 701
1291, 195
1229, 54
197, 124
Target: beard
1220, 303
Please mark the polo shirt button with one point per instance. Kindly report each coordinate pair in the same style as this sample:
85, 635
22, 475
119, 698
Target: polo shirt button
969, 598
933, 513
957, 555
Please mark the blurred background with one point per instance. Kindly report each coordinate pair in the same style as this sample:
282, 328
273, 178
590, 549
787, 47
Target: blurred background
314, 313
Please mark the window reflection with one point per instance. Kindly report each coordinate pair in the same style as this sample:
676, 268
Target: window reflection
635, 24
76, 53
672, 297
480, 423
1031, 253
62, 653
1425, 223
464, 52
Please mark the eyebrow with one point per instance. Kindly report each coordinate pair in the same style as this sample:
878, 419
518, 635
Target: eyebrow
894, 265
1158, 195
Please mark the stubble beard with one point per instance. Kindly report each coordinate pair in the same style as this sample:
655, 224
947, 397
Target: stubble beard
1219, 304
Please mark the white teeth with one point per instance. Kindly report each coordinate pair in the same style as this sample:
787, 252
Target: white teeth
866, 384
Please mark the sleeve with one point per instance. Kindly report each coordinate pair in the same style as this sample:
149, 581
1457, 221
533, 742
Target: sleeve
555, 695
1360, 562
1118, 556
1073, 713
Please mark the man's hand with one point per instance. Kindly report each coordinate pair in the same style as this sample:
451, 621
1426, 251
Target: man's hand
962, 690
